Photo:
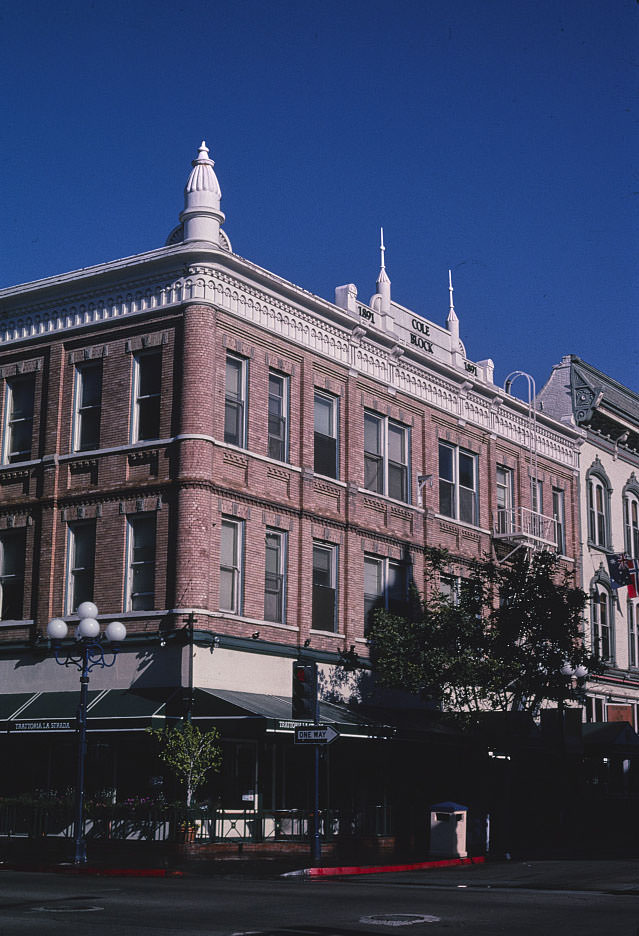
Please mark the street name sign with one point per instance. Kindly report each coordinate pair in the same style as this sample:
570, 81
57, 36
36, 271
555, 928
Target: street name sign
318, 734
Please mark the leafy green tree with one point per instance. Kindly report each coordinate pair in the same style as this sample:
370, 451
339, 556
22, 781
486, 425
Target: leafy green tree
500, 645
189, 753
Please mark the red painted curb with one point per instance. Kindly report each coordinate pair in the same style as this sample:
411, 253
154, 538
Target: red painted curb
378, 869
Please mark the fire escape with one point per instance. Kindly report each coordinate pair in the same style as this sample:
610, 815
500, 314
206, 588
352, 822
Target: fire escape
524, 527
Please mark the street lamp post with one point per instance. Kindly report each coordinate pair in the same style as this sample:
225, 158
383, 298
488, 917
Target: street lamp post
574, 676
87, 654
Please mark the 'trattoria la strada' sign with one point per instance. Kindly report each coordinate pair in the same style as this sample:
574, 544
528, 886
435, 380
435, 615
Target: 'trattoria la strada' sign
47, 724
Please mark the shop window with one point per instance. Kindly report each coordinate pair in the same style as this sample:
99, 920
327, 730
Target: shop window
88, 406
325, 441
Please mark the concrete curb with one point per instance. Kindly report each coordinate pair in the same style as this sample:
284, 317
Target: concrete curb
92, 870
381, 869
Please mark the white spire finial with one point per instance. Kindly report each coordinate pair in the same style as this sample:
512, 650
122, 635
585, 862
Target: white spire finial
202, 215
450, 291
381, 246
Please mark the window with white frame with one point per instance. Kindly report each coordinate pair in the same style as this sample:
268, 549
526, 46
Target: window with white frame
80, 564
18, 422
456, 589
147, 386
457, 483
385, 586
231, 563
386, 456
275, 576
602, 611
537, 495
598, 498
324, 614
504, 485
631, 523
326, 421
141, 562
235, 398
12, 556
88, 406
278, 385
559, 515
633, 633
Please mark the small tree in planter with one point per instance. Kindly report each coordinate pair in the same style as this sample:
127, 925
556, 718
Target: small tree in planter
189, 753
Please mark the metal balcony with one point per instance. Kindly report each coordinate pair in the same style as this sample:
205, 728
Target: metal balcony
521, 526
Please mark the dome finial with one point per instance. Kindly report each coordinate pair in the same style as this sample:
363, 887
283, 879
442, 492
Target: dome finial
202, 216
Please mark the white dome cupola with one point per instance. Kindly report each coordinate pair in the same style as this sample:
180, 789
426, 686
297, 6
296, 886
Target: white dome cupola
201, 218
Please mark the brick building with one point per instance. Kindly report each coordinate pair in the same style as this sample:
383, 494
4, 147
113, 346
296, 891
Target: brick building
239, 471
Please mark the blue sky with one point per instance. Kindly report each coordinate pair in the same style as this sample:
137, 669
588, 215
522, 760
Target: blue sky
498, 138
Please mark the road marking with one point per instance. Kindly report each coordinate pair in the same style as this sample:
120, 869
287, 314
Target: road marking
399, 919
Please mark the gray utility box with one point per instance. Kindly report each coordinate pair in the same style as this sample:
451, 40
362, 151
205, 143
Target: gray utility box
448, 825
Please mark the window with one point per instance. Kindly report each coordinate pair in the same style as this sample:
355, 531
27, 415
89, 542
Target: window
147, 383
631, 524
385, 586
88, 406
505, 517
326, 422
141, 563
81, 564
598, 495
235, 400
633, 634
559, 515
277, 416
275, 576
457, 483
12, 552
454, 589
18, 429
324, 587
231, 546
537, 495
386, 446
601, 608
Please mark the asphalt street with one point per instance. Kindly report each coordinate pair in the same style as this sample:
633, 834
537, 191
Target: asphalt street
516, 899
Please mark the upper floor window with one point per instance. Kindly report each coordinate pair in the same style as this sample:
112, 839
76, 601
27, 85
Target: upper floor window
633, 634
324, 615
505, 517
386, 453
537, 495
235, 400
88, 406
141, 563
457, 483
80, 564
601, 619
559, 515
147, 382
12, 553
385, 586
275, 576
277, 416
326, 418
231, 563
18, 425
598, 511
631, 523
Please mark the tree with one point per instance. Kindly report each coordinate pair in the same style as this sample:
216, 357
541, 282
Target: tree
498, 644
189, 753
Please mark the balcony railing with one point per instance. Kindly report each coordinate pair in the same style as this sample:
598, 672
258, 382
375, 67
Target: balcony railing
521, 524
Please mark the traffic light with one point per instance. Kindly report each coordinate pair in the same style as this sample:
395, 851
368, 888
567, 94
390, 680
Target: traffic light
304, 690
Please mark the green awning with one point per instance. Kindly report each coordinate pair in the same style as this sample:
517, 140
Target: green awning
107, 710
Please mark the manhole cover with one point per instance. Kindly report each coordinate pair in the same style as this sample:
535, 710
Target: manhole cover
399, 919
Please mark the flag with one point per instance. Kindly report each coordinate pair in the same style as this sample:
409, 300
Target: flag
632, 567
618, 570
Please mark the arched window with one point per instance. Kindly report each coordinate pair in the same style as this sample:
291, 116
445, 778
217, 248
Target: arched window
631, 520
598, 489
602, 618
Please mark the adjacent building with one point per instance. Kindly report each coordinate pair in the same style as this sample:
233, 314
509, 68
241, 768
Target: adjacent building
240, 471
